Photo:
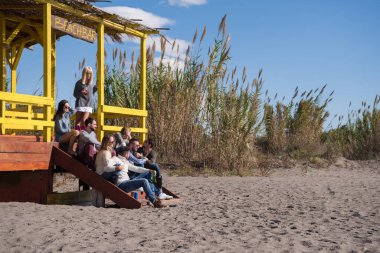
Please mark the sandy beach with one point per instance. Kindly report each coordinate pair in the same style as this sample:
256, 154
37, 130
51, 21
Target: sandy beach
334, 209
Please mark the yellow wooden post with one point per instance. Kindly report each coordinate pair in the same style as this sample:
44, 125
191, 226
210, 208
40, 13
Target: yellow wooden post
53, 69
143, 84
3, 74
47, 67
100, 81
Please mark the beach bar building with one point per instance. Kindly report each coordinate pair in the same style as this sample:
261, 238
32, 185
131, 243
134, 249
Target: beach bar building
25, 164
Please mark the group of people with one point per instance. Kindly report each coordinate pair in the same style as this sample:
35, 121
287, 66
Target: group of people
119, 157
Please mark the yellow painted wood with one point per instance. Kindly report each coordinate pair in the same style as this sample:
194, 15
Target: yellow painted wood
118, 128
143, 85
14, 33
27, 122
28, 114
25, 99
82, 14
47, 67
22, 127
100, 80
123, 111
20, 49
3, 73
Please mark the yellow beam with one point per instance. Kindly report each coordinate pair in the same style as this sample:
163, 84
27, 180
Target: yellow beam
27, 122
143, 85
18, 127
123, 111
47, 67
30, 115
100, 79
14, 33
90, 17
19, 19
3, 73
118, 128
25, 99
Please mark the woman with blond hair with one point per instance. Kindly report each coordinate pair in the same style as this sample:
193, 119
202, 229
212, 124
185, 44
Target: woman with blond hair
84, 94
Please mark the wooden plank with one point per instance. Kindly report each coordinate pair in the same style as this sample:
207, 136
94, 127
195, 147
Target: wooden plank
24, 157
24, 166
27, 147
25, 186
79, 170
16, 138
69, 198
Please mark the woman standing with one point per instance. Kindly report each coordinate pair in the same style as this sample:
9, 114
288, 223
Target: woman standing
84, 92
62, 127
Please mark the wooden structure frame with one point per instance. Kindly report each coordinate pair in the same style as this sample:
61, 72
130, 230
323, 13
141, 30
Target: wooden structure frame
27, 22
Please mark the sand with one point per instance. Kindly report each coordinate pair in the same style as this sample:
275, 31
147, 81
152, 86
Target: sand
333, 209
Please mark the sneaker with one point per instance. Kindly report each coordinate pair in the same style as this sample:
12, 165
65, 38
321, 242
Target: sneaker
158, 204
164, 196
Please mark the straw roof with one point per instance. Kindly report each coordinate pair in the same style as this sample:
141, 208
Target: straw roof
31, 11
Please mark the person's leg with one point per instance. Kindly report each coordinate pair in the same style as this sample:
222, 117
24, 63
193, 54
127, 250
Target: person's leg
154, 166
85, 116
145, 175
78, 119
130, 185
148, 176
73, 137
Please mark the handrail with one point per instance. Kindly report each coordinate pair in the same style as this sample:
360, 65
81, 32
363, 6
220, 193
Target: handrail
25, 99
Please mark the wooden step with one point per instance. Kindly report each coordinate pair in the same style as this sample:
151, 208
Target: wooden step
15, 146
23, 138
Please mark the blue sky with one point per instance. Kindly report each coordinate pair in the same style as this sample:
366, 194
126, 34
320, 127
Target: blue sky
296, 42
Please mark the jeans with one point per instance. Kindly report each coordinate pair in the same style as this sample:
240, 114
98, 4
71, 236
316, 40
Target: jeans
153, 166
148, 176
130, 185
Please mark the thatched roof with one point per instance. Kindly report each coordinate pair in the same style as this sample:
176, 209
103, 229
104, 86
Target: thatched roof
31, 11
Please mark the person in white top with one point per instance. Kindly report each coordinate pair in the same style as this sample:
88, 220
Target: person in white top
106, 166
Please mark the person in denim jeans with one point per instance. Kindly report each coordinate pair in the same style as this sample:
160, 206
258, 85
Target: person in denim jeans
106, 165
138, 159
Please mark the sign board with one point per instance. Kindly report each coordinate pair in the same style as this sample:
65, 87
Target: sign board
74, 29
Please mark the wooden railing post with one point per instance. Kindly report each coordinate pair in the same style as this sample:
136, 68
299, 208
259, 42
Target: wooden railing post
47, 66
3, 73
100, 81
143, 84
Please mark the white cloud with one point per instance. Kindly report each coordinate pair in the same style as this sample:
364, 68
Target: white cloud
148, 18
187, 3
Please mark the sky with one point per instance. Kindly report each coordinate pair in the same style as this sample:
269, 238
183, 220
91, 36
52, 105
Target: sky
300, 43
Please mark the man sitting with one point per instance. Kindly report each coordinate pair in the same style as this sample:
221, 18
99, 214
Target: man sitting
138, 159
88, 136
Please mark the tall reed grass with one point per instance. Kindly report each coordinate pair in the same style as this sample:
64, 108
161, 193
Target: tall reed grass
203, 113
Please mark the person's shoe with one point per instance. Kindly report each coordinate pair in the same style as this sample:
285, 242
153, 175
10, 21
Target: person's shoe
164, 196
158, 204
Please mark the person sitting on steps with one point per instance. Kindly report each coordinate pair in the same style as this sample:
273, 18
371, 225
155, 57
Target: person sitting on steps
88, 136
106, 166
138, 159
62, 128
122, 138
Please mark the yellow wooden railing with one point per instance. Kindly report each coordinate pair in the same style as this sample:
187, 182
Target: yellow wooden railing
12, 118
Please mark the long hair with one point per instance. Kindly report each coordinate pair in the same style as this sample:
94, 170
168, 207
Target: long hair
105, 141
86, 70
61, 109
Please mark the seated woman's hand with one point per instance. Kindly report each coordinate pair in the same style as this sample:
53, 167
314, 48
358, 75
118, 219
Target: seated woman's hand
120, 167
